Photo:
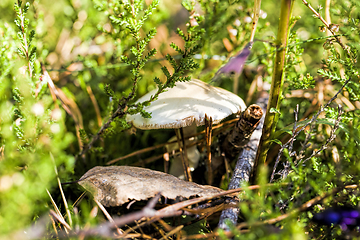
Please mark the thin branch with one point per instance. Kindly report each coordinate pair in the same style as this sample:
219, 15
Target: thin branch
119, 113
256, 12
328, 26
313, 119
208, 135
330, 139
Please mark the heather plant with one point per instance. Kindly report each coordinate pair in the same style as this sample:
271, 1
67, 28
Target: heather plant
71, 71
30, 126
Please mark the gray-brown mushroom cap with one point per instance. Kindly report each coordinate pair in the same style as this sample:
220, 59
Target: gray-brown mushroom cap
116, 185
186, 103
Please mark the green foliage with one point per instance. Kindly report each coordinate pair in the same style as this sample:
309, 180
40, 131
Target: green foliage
30, 127
296, 77
103, 55
26, 50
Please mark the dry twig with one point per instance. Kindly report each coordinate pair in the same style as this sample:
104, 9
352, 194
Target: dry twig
296, 133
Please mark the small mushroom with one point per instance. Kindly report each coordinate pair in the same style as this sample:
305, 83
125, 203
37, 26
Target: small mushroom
187, 103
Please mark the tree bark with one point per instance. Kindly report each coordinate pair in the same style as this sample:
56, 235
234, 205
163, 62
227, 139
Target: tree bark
244, 167
240, 135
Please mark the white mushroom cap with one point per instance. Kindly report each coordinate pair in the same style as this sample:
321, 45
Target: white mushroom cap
186, 103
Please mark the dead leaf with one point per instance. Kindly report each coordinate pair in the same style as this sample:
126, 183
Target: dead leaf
116, 185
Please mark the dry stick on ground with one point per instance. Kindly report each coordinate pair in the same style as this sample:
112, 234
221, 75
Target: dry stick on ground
245, 163
182, 148
37, 230
208, 130
180, 208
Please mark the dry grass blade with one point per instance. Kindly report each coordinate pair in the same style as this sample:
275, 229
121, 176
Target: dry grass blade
108, 216
58, 213
60, 219
183, 153
256, 13
62, 192
96, 105
67, 103
208, 131
172, 232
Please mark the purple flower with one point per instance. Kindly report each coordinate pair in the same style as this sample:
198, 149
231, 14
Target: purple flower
346, 217
236, 64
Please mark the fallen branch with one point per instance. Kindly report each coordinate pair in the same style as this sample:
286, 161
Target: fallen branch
244, 166
240, 135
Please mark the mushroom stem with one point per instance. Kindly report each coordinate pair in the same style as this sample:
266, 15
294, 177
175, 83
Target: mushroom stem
183, 154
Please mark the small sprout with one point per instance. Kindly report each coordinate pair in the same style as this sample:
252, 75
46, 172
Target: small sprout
237, 23
328, 44
322, 28
56, 114
38, 109
55, 128
334, 27
274, 110
263, 14
247, 19
193, 21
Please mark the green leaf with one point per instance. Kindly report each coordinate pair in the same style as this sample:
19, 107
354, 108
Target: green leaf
277, 141
274, 110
